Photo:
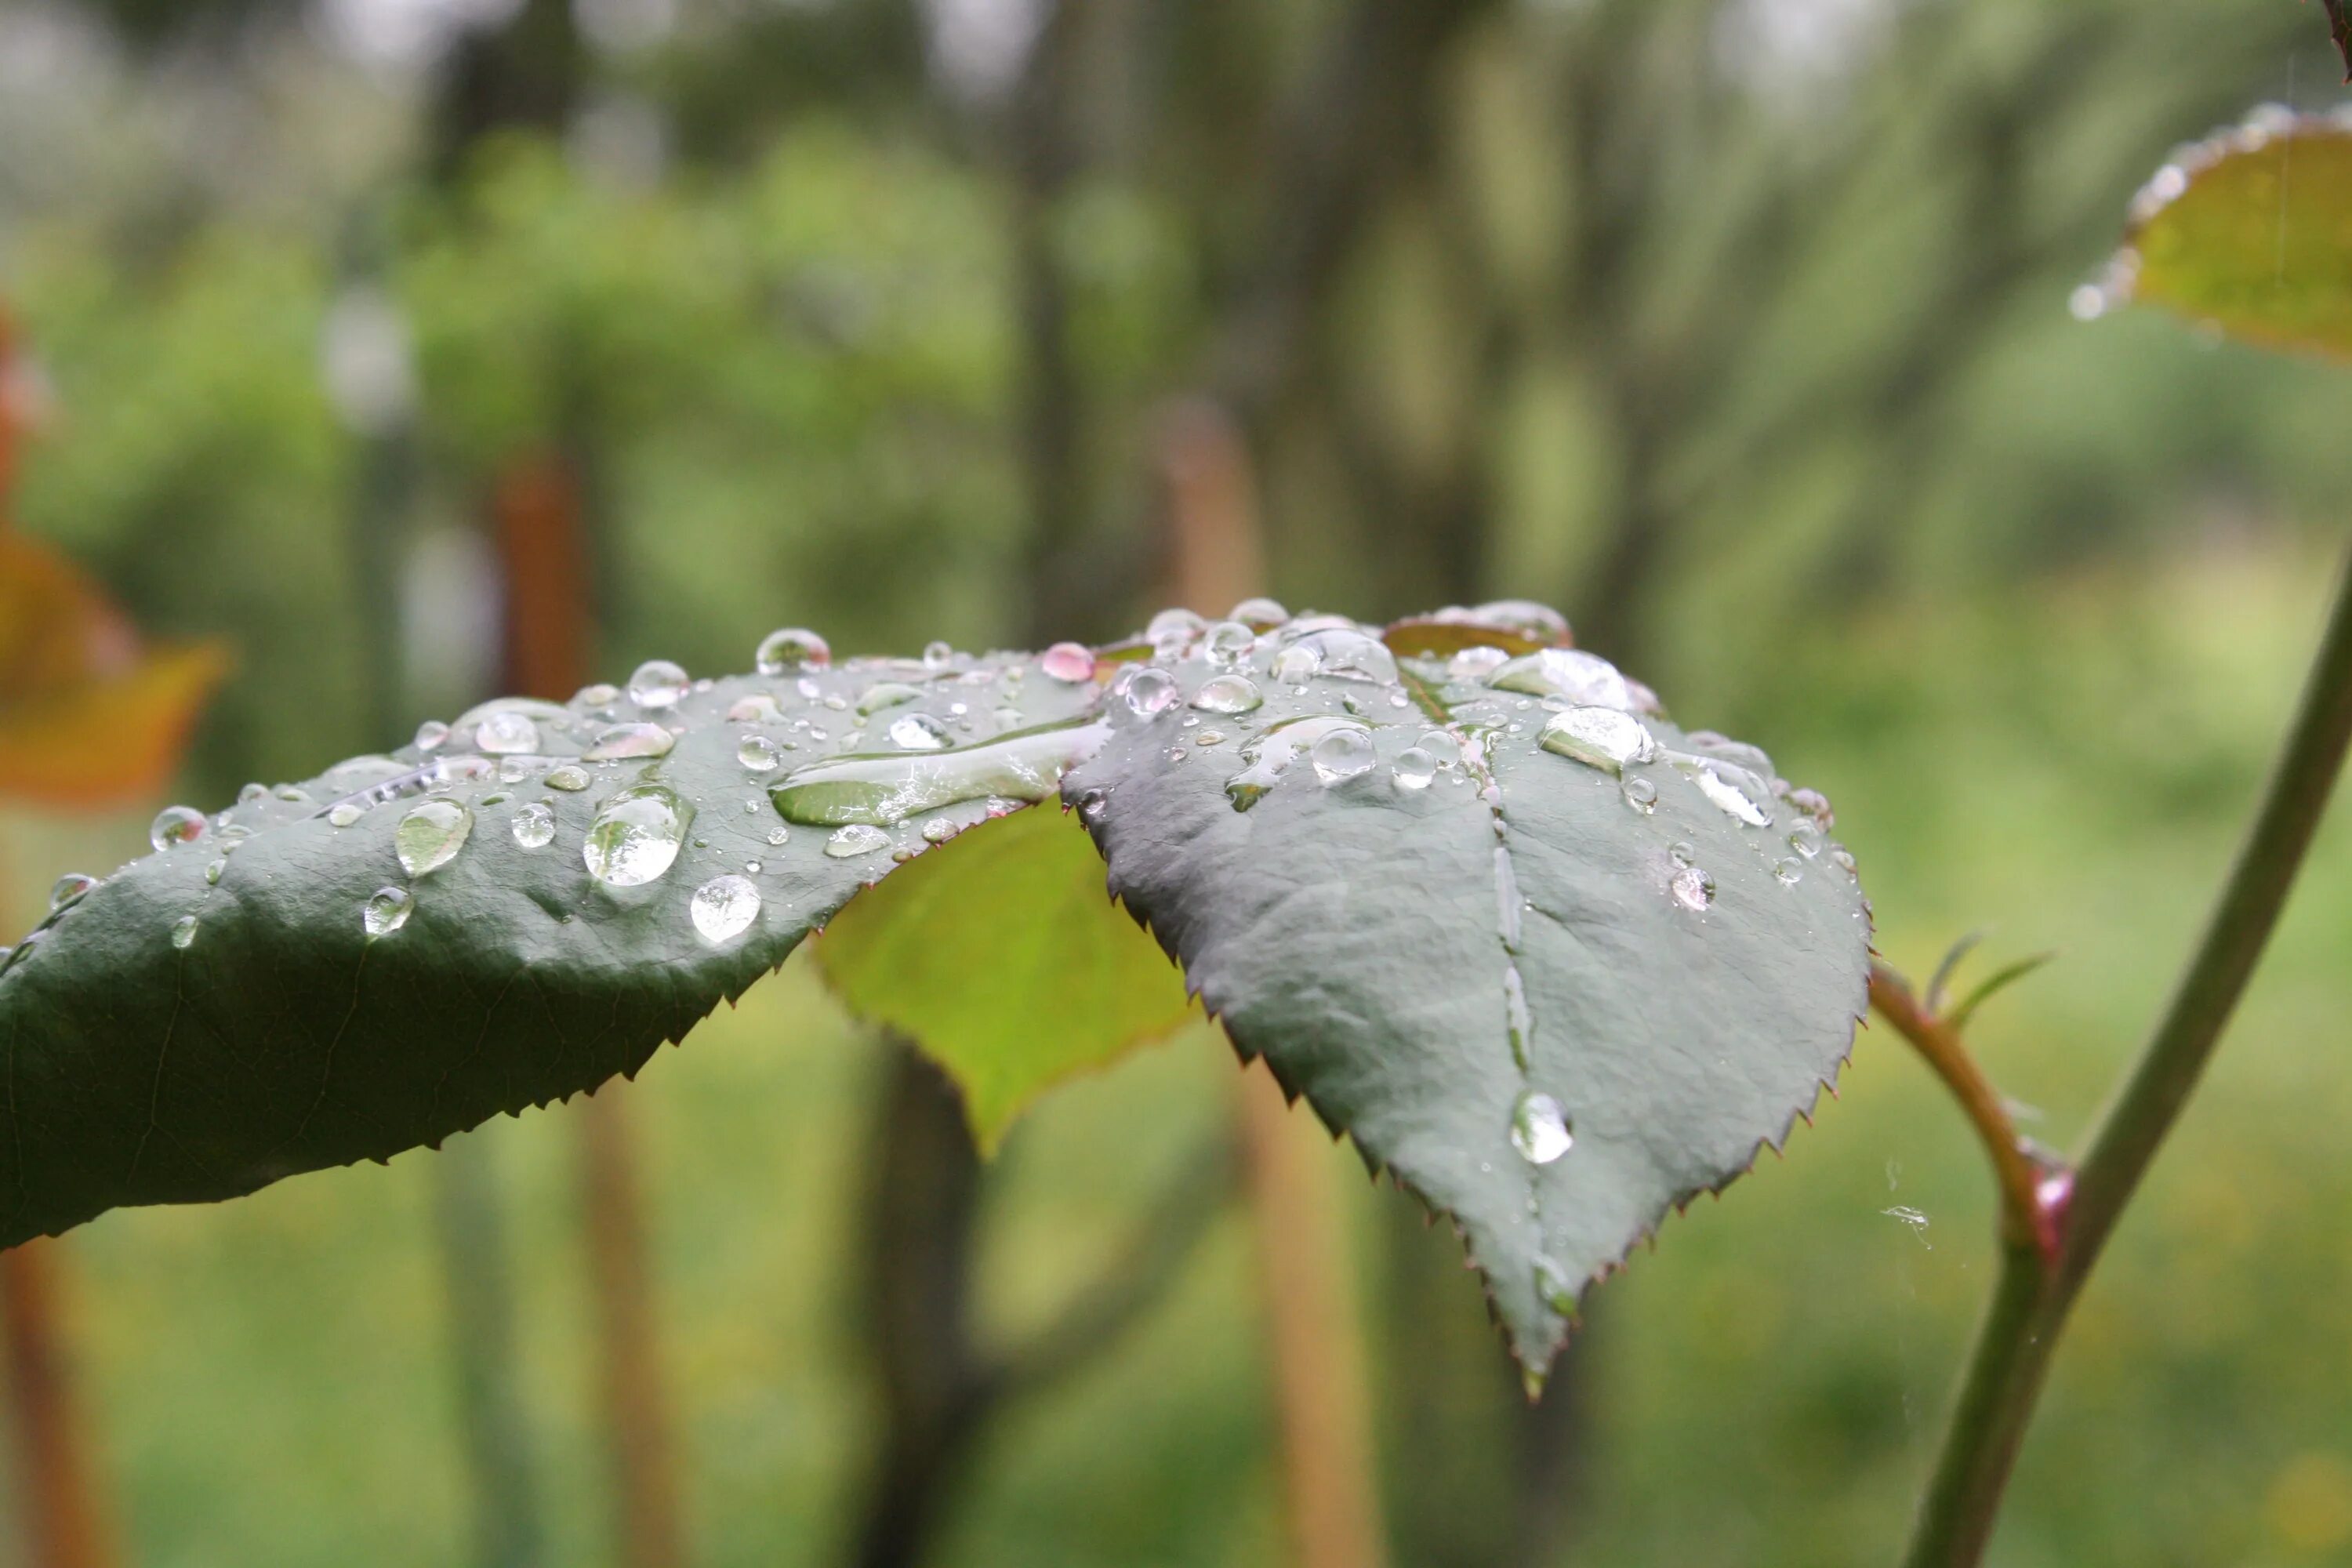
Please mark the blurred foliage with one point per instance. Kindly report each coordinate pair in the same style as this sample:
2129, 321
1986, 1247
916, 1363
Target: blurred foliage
1736, 328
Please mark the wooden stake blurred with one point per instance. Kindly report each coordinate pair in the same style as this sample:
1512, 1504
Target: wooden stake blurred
1316, 1341
537, 508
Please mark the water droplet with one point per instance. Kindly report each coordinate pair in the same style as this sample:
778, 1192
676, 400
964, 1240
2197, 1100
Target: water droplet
429, 735
616, 742
918, 733
1581, 678
70, 888
1147, 693
1539, 1129
507, 733
636, 836
1259, 614
253, 792
857, 838
1788, 872
880, 789
1296, 664
1414, 768
566, 776
886, 694
1554, 1287
1067, 661
724, 908
1171, 630
213, 872
1640, 794
1228, 643
386, 911
174, 825
759, 708
1843, 860
938, 830
1604, 738
534, 826
1692, 888
1209, 738
294, 795
603, 694
1228, 694
1536, 622
1349, 655
778, 837
1737, 792
938, 656
516, 770
792, 648
1681, 852
1475, 663
430, 836
760, 754
1269, 755
183, 930
344, 813
657, 683
1806, 840
1342, 755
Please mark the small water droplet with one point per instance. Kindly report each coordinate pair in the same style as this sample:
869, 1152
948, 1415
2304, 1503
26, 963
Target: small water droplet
917, 732
938, 656
622, 740
1209, 738
938, 830
507, 733
70, 888
760, 754
1843, 860
778, 837
1604, 738
657, 683
566, 776
1640, 794
759, 708
516, 770
174, 825
1171, 630
1539, 1129
1342, 755
857, 838
1067, 661
636, 836
534, 826
603, 694
1554, 1287
213, 872
183, 930
429, 736
1788, 872
1806, 840
430, 836
386, 911
344, 813
792, 648
1228, 694
294, 795
1259, 614
1692, 888
253, 792
1149, 692
1413, 769
1227, 644
724, 908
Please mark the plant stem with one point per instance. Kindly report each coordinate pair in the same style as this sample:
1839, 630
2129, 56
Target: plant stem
2013, 1347
1940, 1045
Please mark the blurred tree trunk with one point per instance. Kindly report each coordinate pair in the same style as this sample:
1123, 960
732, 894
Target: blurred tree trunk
468, 1213
64, 1523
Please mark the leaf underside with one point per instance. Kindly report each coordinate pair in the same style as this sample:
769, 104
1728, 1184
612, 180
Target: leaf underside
1690, 979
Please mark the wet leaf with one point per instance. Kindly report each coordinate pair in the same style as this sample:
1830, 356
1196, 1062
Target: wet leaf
303, 1021
88, 717
1553, 1014
1009, 961
2250, 232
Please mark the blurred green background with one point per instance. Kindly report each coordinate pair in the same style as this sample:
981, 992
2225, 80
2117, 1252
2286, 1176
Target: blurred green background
1739, 329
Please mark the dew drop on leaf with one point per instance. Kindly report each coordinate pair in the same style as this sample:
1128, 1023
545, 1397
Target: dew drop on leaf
69, 890
1565, 672
603, 694
1067, 661
857, 838
344, 813
1414, 768
1228, 694
623, 740
792, 648
183, 930
760, 754
1737, 792
917, 732
724, 908
1806, 840
1228, 643
386, 911
636, 836
534, 826
429, 735
1604, 738
1342, 755
1259, 614
1539, 1129
1149, 692
174, 825
507, 733
430, 836
1640, 794
1692, 888
566, 776
657, 683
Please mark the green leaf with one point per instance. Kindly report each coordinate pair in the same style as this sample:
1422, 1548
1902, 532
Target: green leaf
1008, 961
282, 1036
1441, 969
2251, 231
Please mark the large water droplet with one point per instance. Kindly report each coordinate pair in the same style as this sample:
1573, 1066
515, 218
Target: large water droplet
886, 694
1173, 629
1557, 1290
1733, 790
508, 734
1296, 664
69, 890
386, 911
760, 754
566, 776
1342, 755
757, 708
430, 734
1540, 1128
857, 838
1572, 673
1414, 768
636, 836
1806, 839
657, 683
880, 789
174, 825
918, 733
792, 648
1349, 655
1604, 738
603, 694
183, 930
1228, 694
724, 908
430, 836
1149, 692
534, 826
1228, 643
617, 742
1537, 623
1259, 614
1690, 888
344, 813
1067, 661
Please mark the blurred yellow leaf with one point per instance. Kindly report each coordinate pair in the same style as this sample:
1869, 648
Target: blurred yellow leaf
2251, 231
88, 717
